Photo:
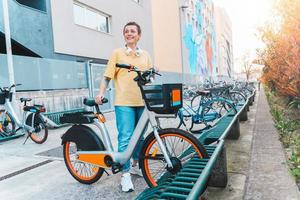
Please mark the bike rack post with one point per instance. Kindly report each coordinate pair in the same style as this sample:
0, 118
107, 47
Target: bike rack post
243, 115
234, 132
219, 176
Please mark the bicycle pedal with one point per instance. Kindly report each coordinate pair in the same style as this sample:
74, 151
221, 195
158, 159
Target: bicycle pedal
116, 168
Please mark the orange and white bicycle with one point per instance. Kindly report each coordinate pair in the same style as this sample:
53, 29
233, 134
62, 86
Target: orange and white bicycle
164, 152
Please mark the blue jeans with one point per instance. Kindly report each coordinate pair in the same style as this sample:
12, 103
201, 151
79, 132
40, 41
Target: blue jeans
127, 118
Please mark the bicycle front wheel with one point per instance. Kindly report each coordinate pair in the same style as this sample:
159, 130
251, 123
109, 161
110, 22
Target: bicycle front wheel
40, 133
181, 148
9, 125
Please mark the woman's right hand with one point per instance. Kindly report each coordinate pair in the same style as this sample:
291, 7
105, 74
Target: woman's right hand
98, 99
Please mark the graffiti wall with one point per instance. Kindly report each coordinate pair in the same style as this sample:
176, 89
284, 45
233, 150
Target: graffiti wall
200, 38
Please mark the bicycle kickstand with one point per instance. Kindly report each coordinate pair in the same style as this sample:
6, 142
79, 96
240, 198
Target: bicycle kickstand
28, 135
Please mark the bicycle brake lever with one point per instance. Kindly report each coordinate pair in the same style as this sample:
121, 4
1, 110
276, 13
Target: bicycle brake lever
157, 73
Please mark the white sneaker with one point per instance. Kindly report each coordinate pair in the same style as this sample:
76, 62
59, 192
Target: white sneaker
136, 171
126, 183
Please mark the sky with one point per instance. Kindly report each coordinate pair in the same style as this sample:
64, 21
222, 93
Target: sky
246, 16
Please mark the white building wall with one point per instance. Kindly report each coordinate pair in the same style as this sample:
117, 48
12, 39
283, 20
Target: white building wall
224, 43
72, 39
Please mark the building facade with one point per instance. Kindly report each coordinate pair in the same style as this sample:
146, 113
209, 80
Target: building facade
67, 36
61, 47
73, 30
184, 38
224, 44
94, 28
200, 37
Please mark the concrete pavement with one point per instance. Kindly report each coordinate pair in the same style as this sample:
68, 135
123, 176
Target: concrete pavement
268, 176
33, 171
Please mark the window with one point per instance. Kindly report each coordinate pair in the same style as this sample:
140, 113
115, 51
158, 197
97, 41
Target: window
91, 18
138, 1
36, 4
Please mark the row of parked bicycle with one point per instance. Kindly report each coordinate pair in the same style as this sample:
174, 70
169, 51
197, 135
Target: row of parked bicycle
165, 150
203, 105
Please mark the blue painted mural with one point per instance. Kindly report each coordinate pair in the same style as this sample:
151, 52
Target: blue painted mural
200, 38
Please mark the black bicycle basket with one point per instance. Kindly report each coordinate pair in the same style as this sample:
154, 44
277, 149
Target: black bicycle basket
163, 99
4, 95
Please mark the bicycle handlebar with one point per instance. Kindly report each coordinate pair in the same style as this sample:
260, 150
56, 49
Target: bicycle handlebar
91, 101
143, 77
3, 89
124, 66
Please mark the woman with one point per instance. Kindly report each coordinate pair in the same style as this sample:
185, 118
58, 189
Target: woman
128, 99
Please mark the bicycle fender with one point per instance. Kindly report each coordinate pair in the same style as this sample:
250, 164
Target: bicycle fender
84, 138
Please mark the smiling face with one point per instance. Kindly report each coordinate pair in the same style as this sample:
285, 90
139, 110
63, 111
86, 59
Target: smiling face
131, 35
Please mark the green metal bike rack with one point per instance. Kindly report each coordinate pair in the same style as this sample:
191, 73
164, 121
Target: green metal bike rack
4, 137
199, 186
179, 186
54, 116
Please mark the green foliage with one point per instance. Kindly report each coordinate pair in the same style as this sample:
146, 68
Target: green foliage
277, 114
286, 126
294, 162
294, 104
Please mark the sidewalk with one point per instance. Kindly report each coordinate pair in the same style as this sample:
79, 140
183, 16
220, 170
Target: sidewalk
34, 171
268, 176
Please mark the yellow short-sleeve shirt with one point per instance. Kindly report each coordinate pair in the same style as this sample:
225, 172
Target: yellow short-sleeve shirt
127, 92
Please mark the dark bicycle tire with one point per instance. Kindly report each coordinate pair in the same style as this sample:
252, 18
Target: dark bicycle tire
209, 115
40, 134
150, 153
170, 122
237, 97
194, 101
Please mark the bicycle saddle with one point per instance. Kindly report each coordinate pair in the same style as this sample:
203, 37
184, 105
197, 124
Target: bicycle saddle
25, 99
203, 92
35, 108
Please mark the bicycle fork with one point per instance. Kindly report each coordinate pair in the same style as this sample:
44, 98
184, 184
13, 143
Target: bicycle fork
162, 147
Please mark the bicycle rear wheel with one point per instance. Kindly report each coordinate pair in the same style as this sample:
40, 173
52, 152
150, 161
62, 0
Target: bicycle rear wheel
81, 138
83, 172
40, 134
181, 148
211, 113
237, 97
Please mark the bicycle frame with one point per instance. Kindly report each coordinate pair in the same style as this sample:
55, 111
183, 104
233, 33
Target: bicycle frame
21, 124
98, 157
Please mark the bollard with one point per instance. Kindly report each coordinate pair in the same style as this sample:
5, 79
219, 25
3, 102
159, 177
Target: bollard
243, 115
234, 132
251, 100
219, 176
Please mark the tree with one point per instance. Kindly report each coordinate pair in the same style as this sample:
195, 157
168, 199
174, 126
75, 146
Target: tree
281, 55
247, 65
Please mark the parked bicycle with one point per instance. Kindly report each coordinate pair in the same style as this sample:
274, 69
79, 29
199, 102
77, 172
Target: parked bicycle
204, 111
32, 121
164, 151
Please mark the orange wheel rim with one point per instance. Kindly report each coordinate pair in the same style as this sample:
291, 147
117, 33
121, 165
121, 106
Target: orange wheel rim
35, 137
147, 170
71, 167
